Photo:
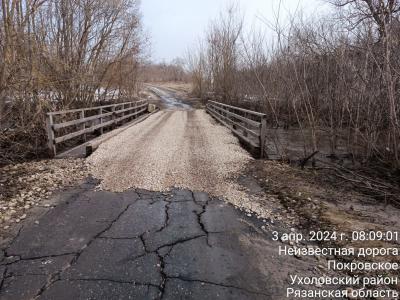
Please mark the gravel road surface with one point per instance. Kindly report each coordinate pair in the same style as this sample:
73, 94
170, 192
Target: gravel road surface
181, 148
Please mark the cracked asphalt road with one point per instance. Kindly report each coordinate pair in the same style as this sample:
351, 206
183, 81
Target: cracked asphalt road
141, 245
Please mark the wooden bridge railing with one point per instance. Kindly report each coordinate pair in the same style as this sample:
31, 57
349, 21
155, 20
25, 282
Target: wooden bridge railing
96, 117
249, 126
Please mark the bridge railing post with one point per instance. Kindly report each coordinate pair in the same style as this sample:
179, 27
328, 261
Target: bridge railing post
50, 135
83, 126
101, 120
263, 134
113, 116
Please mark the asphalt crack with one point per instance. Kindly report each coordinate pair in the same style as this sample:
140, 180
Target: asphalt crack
167, 217
98, 235
19, 258
164, 251
163, 276
161, 258
56, 276
3, 278
144, 243
70, 199
199, 220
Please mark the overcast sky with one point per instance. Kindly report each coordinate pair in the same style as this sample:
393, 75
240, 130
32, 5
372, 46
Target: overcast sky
175, 25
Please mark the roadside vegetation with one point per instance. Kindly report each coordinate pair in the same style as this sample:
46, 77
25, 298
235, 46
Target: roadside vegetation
334, 78
330, 87
57, 55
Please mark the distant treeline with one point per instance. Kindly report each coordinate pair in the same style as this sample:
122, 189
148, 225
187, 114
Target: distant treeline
166, 72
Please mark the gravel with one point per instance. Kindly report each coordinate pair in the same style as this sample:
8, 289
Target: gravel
25, 185
184, 149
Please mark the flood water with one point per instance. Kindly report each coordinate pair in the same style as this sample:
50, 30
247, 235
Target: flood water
169, 101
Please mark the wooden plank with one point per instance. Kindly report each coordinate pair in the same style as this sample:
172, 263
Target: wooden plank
93, 128
263, 135
130, 108
130, 115
51, 127
238, 133
242, 118
253, 133
50, 136
246, 120
62, 112
101, 120
239, 109
91, 108
82, 116
113, 116
81, 132
79, 121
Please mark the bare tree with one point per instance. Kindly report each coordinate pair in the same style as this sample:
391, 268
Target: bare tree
62, 54
335, 79
385, 17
